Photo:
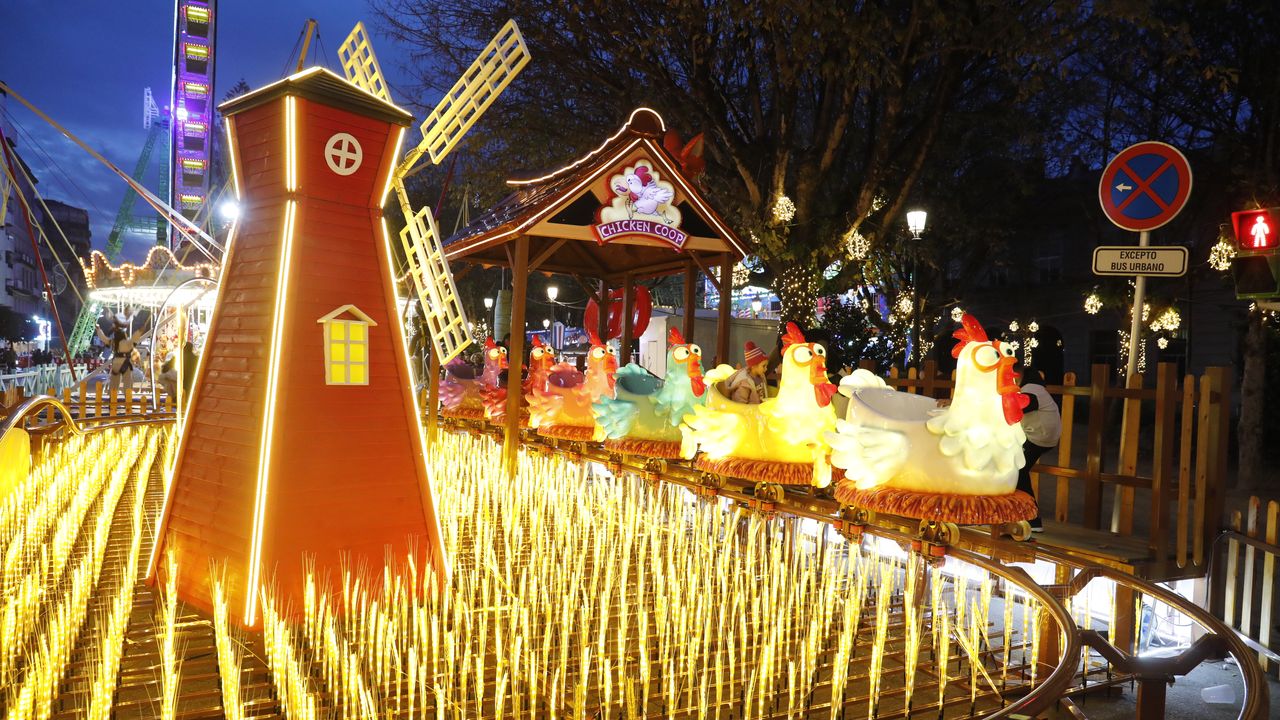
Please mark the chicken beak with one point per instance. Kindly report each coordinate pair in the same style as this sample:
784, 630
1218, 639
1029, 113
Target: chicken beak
1006, 378
695, 378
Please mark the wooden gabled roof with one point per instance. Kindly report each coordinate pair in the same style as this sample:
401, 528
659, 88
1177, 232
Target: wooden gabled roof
557, 211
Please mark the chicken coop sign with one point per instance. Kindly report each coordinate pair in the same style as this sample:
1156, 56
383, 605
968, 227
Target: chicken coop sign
641, 206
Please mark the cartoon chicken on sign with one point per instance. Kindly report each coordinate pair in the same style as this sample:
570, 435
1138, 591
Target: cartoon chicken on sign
563, 409
644, 417
779, 440
957, 464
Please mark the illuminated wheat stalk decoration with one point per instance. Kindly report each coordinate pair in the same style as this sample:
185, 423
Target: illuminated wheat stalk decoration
167, 632
59, 624
229, 656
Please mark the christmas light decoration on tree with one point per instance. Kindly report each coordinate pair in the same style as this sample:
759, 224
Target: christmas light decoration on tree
1169, 320
1093, 303
856, 245
905, 303
1013, 326
783, 209
832, 270
1162, 343
1033, 327
957, 313
1222, 254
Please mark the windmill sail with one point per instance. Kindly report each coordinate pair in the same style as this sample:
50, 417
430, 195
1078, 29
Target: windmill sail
498, 64
429, 274
360, 64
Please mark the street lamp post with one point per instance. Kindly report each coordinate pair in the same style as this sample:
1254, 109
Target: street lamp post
553, 292
915, 225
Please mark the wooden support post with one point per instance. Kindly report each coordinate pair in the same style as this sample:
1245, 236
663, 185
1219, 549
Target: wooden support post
1186, 442
128, 398
97, 400
111, 402
726, 303
1093, 447
1162, 470
1151, 697
628, 309
690, 299
515, 395
1220, 383
84, 400
1124, 615
433, 397
602, 317
1062, 501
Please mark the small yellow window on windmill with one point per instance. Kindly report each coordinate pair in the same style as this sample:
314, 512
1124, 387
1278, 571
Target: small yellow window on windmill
346, 346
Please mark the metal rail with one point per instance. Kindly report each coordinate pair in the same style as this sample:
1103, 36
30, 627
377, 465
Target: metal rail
33, 406
990, 553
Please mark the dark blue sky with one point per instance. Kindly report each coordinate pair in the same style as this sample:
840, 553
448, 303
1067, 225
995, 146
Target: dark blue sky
85, 63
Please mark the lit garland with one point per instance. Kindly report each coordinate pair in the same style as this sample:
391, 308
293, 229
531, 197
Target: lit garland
784, 210
1168, 320
905, 304
127, 273
1093, 304
1222, 254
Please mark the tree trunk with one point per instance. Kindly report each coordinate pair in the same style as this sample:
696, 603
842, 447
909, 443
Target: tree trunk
1251, 431
797, 289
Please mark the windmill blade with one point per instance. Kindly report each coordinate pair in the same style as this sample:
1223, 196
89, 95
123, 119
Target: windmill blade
429, 273
360, 64
498, 64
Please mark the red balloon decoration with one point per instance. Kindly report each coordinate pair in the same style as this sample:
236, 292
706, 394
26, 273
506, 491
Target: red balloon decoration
641, 312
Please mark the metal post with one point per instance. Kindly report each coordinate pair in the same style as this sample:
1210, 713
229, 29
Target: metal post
1135, 324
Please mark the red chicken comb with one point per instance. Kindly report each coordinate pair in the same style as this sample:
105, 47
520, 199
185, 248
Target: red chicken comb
489, 344
970, 331
675, 338
793, 336
594, 338
537, 341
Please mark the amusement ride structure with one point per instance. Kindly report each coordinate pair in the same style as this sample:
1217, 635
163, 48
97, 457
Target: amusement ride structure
307, 535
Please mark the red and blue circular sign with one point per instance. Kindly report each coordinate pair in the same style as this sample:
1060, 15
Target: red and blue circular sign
1145, 186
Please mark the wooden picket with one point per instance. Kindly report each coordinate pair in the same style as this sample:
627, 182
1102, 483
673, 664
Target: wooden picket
1243, 583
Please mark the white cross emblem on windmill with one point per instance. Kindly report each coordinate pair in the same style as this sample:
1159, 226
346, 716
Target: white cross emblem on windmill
498, 64
343, 153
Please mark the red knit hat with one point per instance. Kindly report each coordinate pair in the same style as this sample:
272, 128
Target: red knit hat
754, 355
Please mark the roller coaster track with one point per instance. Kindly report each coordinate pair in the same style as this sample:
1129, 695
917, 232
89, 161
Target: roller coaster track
46, 416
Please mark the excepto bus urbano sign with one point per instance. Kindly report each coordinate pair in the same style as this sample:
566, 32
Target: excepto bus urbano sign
641, 206
1168, 261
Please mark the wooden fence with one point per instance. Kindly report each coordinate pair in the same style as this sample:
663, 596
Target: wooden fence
1159, 451
91, 402
1242, 579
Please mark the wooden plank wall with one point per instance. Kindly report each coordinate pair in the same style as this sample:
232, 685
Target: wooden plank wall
1243, 580
1151, 460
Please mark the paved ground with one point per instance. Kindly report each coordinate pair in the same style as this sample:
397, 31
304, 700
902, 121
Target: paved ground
1184, 700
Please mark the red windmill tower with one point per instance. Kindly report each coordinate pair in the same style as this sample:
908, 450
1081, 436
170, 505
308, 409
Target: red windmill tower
303, 436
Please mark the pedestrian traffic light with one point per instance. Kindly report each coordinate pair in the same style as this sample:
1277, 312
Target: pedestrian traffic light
1256, 229
1256, 268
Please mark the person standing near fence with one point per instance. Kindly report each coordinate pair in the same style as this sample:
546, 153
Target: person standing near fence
1042, 423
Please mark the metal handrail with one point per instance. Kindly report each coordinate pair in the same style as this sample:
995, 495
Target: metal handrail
39, 403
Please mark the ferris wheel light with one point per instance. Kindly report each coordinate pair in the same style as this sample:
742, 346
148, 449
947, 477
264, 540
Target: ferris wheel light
182, 114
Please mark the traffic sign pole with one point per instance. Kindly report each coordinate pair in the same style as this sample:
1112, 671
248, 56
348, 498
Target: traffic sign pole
1143, 188
1135, 325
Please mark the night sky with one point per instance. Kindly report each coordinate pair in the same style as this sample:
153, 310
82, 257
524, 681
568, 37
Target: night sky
86, 62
